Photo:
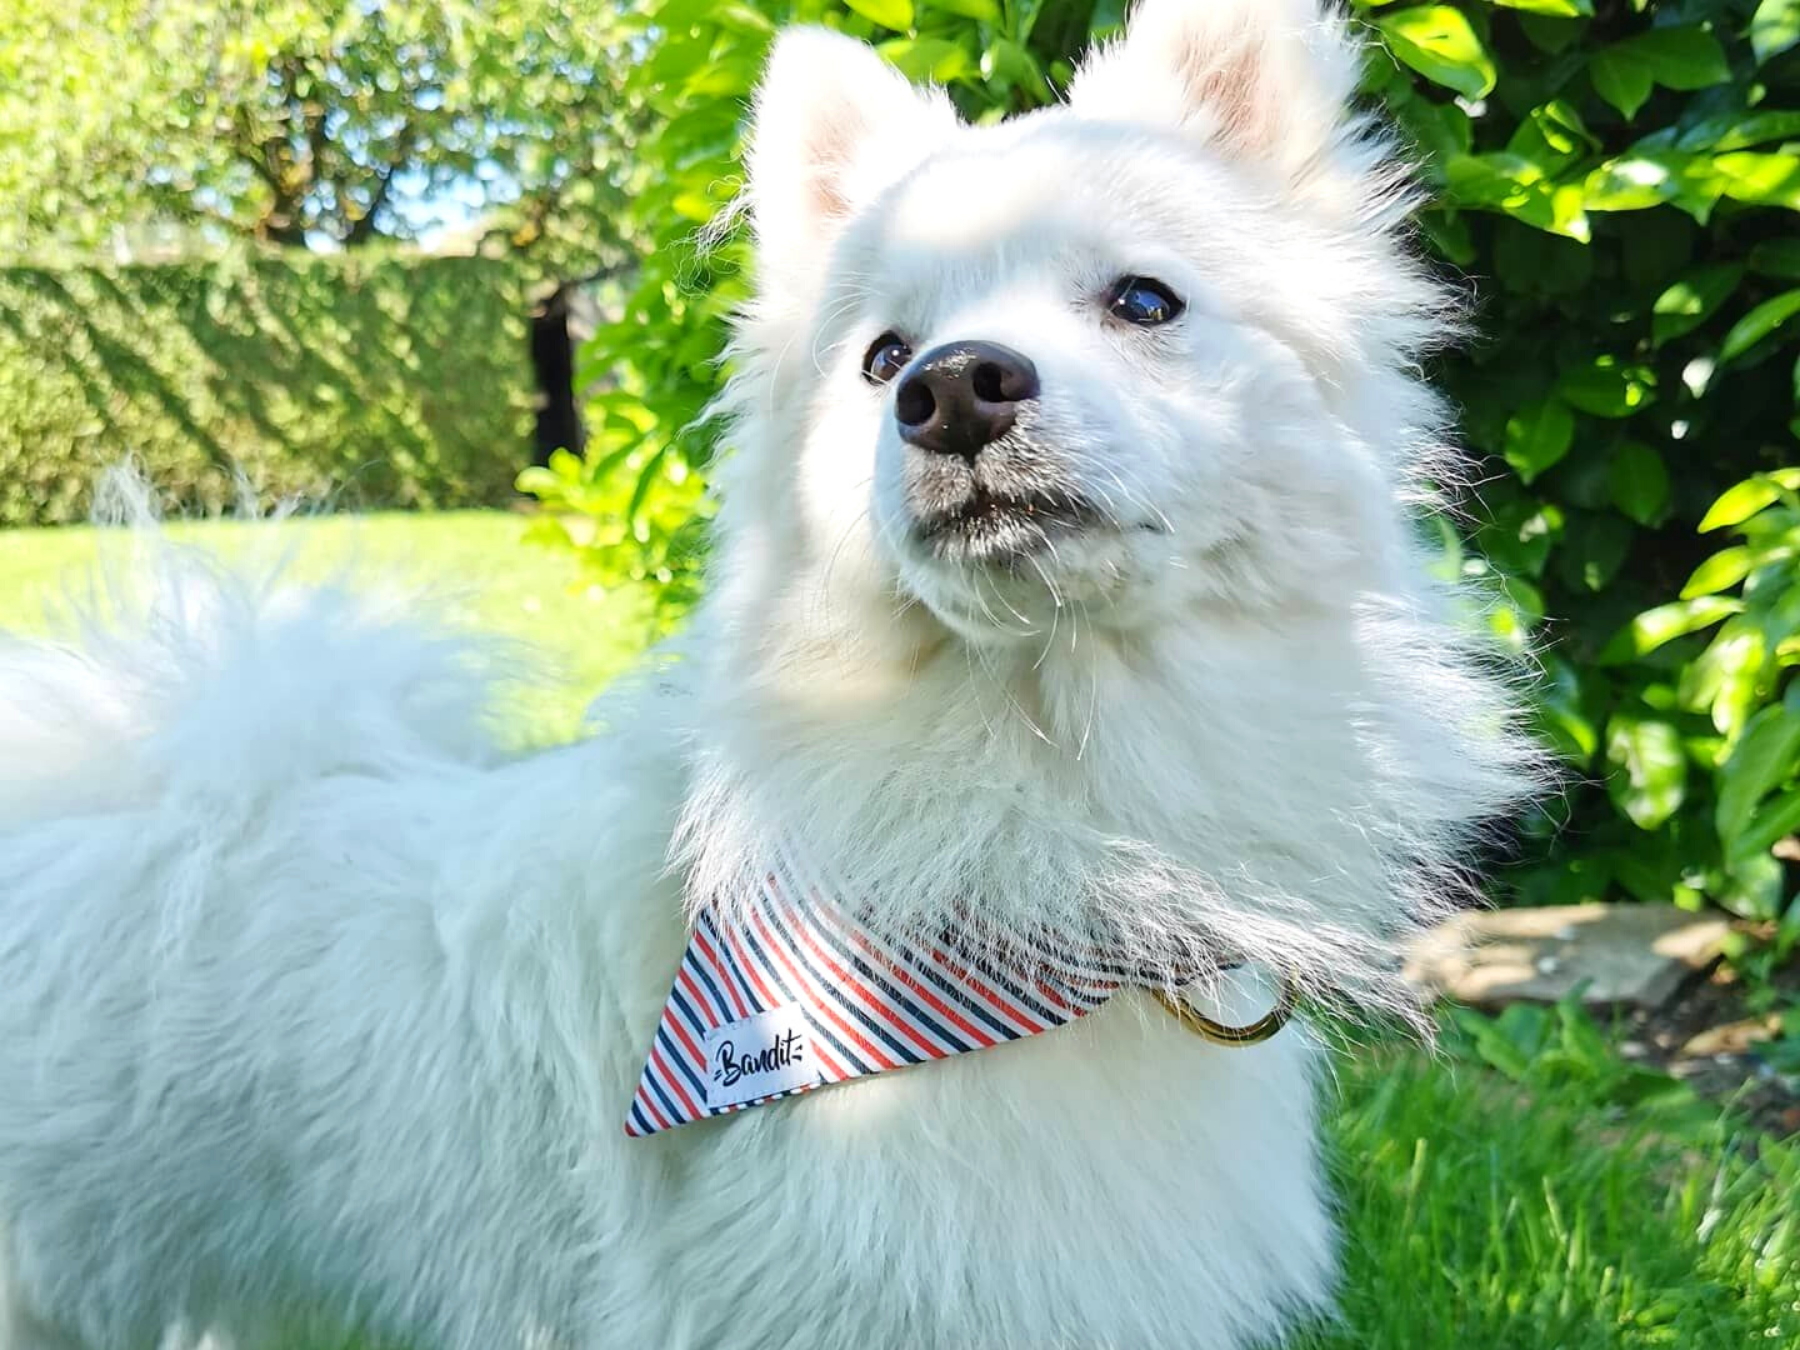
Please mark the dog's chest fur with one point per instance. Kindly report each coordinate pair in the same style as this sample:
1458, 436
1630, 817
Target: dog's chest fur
1115, 1182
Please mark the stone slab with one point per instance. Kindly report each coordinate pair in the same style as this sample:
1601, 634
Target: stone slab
1632, 955
1732, 1038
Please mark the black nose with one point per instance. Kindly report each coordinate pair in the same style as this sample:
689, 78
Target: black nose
962, 396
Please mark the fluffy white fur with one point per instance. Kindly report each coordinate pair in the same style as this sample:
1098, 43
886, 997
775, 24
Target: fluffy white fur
316, 1013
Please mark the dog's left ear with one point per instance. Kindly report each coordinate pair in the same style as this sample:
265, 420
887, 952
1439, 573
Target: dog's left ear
1262, 80
834, 125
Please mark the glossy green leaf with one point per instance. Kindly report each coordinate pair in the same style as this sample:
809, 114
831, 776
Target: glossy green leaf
646, 483
1639, 180
1562, 712
1607, 387
1735, 130
894, 14
1438, 42
1765, 321
1520, 534
1014, 66
923, 59
1774, 28
1752, 888
1640, 482
1449, 235
1702, 678
1649, 768
1655, 627
1687, 57
1538, 436
1720, 572
1573, 9
1526, 600
1766, 755
1549, 33
983, 11
1107, 19
1491, 179
1759, 178
1622, 82
1777, 258
1735, 662
1688, 303
1594, 548
1683, 58
1442, 130
1548, 258
1739, 502
1776, 821
1551, 138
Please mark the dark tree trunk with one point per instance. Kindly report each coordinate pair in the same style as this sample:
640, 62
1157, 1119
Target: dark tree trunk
553, 357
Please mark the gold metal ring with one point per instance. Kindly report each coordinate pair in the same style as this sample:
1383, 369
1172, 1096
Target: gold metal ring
1220, 1034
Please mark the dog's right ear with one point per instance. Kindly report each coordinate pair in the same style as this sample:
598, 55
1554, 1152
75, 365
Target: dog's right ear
1268, 81
834, 124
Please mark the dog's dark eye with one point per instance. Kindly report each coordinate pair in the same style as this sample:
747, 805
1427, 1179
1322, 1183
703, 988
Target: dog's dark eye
887, 357
1143, 301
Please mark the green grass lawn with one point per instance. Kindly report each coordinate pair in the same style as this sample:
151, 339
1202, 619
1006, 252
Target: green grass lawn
474, 560
1568, 1204
1484, 1215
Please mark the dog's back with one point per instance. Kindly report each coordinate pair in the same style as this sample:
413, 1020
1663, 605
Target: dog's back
256, 1057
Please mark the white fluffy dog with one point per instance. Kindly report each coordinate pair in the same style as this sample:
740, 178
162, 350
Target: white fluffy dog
1066, 585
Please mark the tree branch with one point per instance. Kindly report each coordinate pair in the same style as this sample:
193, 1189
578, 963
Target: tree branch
362, 228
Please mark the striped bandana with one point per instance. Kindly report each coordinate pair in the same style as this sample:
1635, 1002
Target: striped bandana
795, 993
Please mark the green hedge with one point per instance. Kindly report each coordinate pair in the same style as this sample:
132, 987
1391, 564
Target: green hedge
368, 380
1620, 181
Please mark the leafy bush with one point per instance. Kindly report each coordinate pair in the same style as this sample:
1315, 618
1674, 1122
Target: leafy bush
630, 516
1619, 180
394, 381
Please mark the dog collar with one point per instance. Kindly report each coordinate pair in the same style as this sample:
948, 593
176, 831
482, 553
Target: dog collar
792, 992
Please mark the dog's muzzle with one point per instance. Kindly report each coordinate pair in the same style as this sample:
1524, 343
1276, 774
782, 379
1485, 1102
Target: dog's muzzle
981, 486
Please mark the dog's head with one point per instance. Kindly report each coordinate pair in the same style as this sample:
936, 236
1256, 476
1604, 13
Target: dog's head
1122, 399
1140, 352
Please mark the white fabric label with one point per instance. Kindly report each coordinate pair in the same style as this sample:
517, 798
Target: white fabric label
759, 1056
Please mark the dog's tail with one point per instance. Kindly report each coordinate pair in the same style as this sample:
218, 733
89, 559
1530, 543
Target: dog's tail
181, 673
